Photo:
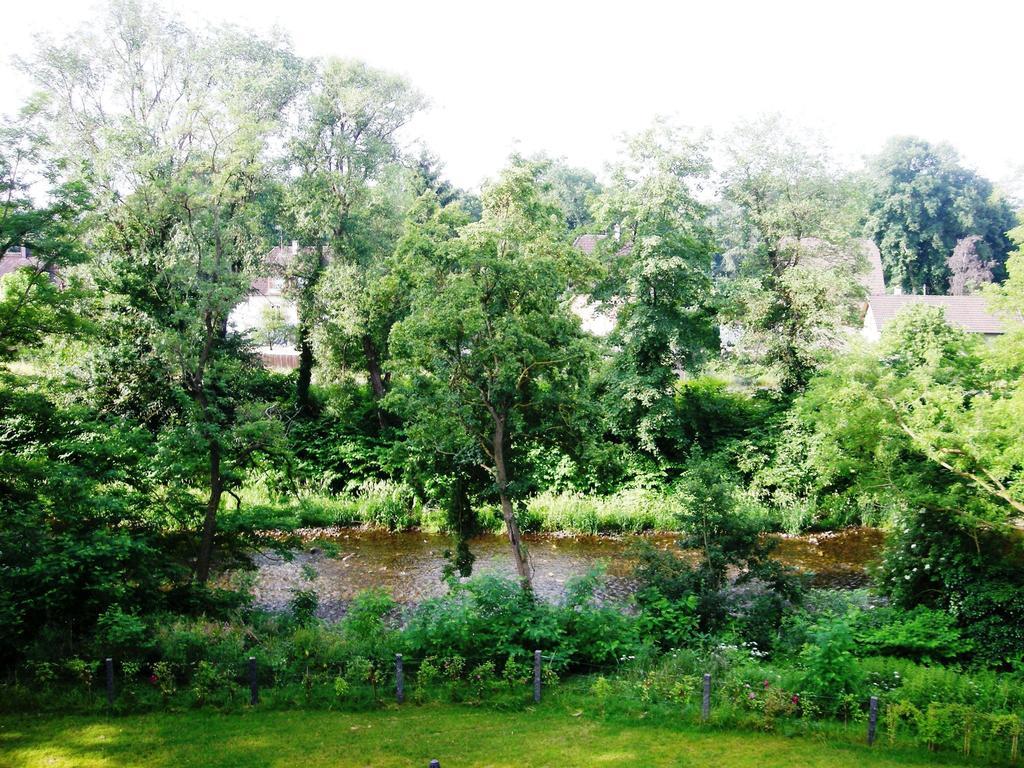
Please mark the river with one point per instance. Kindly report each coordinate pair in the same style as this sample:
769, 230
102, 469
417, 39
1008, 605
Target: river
408, 564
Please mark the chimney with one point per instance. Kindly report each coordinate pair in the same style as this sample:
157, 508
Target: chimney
295, 247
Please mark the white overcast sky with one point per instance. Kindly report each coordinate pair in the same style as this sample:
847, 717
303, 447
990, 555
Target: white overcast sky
569, 77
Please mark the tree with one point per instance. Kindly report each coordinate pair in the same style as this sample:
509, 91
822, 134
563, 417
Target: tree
926, 419
726, 540
968, 271
173, 128
1008, 299
32, 304
490, 351
572, 188
429, 177
785, 224
658, 277
345, 150
923, 202
274, 328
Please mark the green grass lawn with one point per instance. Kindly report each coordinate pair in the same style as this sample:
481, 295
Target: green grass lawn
458, 736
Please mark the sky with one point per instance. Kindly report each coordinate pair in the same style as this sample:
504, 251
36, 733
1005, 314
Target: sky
570, 78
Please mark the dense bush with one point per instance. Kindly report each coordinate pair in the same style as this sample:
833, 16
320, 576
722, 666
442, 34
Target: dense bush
936, 560
724, 535
493, 619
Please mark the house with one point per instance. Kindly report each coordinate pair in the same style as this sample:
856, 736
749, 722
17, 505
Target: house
18, 256
599, 318
967, 312
970, 313
268, 315
596, 317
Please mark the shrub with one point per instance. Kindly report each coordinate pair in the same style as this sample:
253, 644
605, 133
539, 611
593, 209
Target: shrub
490, 618
936, 560
212, 684
365, 627
831, 673
304, 605
921, 634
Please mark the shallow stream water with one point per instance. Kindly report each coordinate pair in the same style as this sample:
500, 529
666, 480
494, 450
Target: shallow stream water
408, 565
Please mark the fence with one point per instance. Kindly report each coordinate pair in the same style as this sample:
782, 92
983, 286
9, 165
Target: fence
697, 700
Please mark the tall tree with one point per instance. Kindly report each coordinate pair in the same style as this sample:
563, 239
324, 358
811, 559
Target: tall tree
173, 126
345, 150
32, 304
574, 189
657, 256
490, 350
923, 202
785, 224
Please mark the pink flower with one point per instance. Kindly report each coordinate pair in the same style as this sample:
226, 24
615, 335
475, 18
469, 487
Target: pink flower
796, 698
750, 695
766, 683
153, 679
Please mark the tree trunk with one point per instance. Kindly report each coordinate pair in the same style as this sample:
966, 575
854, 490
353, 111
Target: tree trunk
519, 554
305, 306
373, 367
305, 367
377, 377
210, 521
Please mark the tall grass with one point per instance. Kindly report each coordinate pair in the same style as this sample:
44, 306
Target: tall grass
632, 510
394, 506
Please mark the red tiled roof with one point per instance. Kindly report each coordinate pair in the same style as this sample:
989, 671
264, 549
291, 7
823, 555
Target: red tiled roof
587, 244
12, 260
874, 279
823, 255
968, 312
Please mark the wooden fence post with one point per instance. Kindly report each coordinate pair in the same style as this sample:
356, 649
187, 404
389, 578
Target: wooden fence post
872, 719
254, 686
705, 704
536, 677
399, 679
109, 664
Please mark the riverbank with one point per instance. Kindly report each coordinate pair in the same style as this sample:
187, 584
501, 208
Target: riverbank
393, 507
408, 564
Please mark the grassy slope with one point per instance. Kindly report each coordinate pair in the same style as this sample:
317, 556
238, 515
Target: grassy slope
457, 736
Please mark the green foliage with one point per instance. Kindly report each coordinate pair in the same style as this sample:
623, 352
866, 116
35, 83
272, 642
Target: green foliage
143, 448
921, 634
121, 633
831, 672
303, 605
658, 276
574, 190
937, 561
786, 223
34, 302
725, 536
488, 618
922, 202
